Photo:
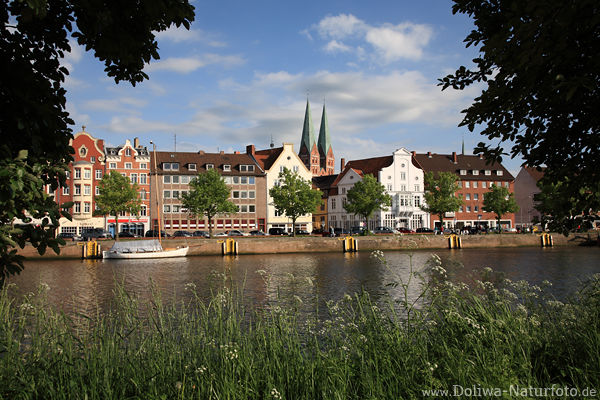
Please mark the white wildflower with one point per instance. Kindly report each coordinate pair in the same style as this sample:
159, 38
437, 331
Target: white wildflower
275, 394
190, 286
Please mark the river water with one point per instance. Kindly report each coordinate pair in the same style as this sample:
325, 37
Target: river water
87, 285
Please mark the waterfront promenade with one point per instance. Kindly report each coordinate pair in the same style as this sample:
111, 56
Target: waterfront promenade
311, 244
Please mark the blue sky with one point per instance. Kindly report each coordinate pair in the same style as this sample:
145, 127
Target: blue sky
243, 73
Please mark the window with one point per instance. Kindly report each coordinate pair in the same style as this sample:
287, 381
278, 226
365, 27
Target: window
128, 165
86, 208
244, 180
143, 211
228, 180
402, 188
488, 172
175, 194
475, 184
166, 178
87, 190
128, 152
226, 167
192, 167
143, 179
243, 194
77, 173
468, 208
176, 208
77, 190
185, 179
250, 180
476, 208
463, 171
87, 174
475, 196
112, 165
133, 178
143, 165
98, 174
236, 194
67, 174
175, 179
483, 185
77, 208
468, 196
251, 194
143, 195
236, 180
475, 172
93, 159
295, 168
467, 184
499, 173
166, 166
333, 203
97, 191
166, 208
506, 185
417, 188
166, 194
210, 166
251, 208
403, 176
417, 201
65, 190
459, 183
281, 168
243, 208
389, 187
248, 168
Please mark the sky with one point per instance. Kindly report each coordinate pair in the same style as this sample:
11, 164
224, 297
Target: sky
244, 71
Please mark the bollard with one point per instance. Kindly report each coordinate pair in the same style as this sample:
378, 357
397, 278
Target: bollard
454, 242
349, 244
91, 249
546, 240
228, 247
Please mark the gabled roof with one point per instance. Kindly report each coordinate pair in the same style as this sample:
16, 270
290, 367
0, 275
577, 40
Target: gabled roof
431, 162
535, 173
266, 158
201, 159
371, 165
324, 182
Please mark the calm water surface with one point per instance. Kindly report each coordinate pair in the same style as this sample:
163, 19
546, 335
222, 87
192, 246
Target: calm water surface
86, 285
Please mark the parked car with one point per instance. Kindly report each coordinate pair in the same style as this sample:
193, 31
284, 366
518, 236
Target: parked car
277, 231
127, 235
357, 230
96, 233
153, 233
341, 231
405, 230
302, 232
424, 230
182, 234
221, 234
201, 234
236, 232
257, 233
383, 230
69, 236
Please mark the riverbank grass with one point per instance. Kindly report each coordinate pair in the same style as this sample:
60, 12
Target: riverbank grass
494, 334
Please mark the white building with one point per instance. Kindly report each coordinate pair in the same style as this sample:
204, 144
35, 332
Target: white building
403, 181
273, 161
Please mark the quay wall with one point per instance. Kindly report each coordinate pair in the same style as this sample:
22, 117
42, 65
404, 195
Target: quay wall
311, 244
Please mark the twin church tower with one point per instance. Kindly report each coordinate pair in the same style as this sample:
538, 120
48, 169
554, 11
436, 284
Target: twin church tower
316, 155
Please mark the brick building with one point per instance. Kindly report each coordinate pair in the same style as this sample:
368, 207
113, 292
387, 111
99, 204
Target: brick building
476, 177
317, 155
241, 173
133, 162
86, 170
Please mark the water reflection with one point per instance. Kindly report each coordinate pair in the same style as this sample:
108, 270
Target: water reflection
87, 286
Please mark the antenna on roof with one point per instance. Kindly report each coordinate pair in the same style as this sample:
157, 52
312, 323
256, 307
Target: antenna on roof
175, 142
272, 144
463, 144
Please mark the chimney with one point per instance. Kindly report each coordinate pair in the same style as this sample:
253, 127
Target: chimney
250, 149
236, 152
414, 153
454, 158
201, 152
222, 152
136, 143
481, 156
342, 164
428, 154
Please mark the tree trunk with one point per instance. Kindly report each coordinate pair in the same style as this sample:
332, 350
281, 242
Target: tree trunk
117, 226
210, 233
441, 222
293, 227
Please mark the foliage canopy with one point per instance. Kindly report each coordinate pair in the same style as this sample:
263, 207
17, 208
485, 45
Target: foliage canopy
366, 197
440, 194
499, 201
294, 196
117, 195
208, 196
541, 70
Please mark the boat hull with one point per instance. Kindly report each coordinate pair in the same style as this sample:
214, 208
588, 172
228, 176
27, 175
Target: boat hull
181, 252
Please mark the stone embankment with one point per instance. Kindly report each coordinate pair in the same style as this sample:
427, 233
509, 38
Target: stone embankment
311, 244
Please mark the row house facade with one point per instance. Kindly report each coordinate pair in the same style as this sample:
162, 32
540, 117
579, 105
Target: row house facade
81, 187
401, 177
273, 161
133, 162
171, 173
476, 177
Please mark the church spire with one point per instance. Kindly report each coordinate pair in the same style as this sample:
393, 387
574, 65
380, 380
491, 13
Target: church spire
308, 131
324, 142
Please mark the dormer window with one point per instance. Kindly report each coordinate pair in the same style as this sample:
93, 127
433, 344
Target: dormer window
488, 172
226, 167
463, 171
499, 173
246, 168
192, 167
170, 166
210, 166
475, 172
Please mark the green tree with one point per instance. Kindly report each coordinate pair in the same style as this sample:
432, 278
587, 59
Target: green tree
440, 194
541, 70
499, 201
366, 197
117, 195
294, 196
34, 37
208, 196
22, 197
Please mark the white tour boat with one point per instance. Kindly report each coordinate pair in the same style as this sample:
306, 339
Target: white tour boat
143, 249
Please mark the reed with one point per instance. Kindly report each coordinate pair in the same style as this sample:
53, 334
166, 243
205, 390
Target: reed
494, 334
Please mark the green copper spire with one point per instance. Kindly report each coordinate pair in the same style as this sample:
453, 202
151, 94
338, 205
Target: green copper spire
324, 140
308, 131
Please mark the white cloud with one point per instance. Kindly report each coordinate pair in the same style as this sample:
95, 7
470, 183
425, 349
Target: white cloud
348, 34
401, 41
184, 65
116, 104
178, 35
